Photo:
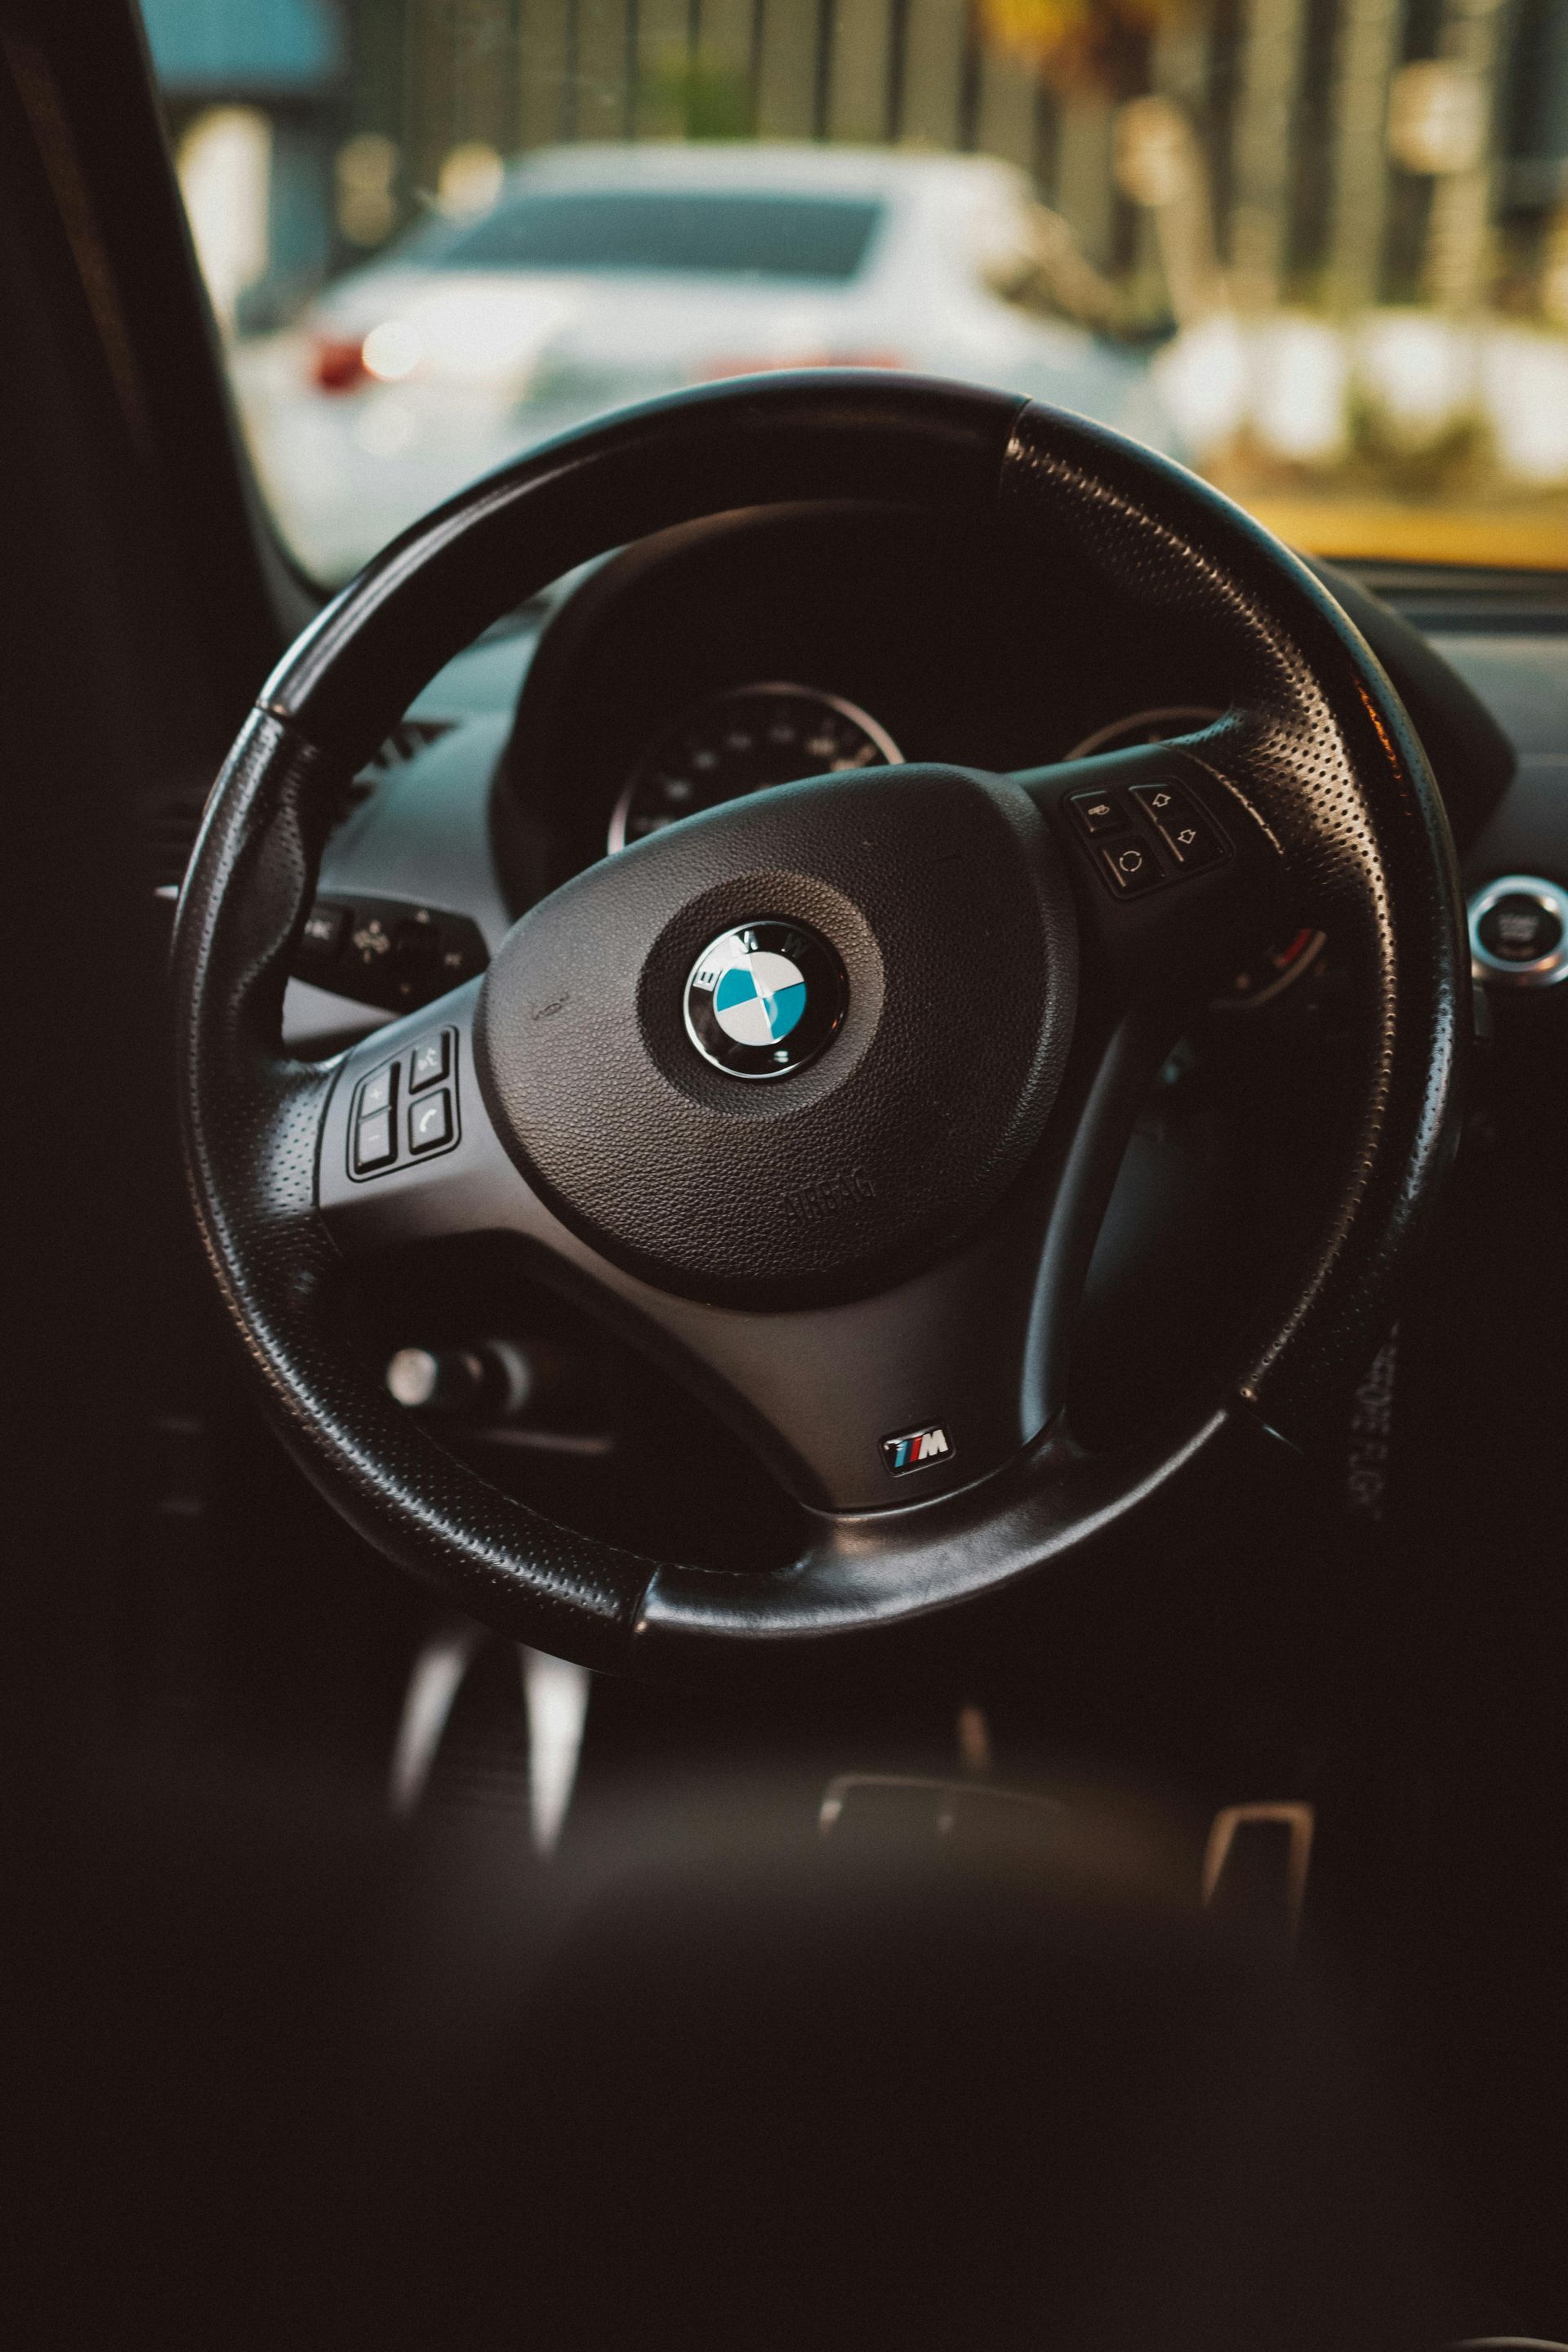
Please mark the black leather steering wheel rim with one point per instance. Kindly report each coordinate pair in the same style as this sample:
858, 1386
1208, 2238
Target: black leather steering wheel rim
1317, 773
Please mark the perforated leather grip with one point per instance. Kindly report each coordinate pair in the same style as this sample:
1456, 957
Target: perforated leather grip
249, 1122
1331, 760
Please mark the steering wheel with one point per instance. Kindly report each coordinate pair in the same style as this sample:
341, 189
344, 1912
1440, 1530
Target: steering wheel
820, 1093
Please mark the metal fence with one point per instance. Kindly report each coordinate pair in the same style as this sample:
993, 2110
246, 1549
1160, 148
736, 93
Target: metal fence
434, 74
1294, 109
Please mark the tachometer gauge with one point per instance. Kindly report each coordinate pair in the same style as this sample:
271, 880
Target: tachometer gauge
741, 742
1261, 977
1270, 971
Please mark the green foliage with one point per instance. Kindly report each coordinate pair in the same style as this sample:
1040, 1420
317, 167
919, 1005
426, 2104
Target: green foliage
692, 95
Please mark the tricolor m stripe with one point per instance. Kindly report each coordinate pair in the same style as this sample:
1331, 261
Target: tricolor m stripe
914, 1449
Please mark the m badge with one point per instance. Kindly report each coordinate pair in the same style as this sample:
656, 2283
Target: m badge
916, 1449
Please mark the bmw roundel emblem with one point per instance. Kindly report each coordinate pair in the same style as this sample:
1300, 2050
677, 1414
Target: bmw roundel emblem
764, 999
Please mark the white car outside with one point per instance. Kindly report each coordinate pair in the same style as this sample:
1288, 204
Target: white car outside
603, 275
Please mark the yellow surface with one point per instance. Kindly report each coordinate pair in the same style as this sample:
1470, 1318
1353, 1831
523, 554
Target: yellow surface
1534, 538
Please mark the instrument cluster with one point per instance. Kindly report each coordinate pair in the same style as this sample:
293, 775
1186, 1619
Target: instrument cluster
745, 738
741, 741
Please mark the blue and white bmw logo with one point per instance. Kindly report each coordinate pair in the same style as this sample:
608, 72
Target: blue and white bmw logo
764, 999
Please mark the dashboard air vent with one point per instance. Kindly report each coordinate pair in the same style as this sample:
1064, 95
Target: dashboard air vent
170, 822
168, 834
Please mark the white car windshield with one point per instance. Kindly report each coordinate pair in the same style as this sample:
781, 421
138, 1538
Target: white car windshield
730, 233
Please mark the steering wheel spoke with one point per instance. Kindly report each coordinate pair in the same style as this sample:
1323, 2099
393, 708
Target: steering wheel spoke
910, 1390
408, 1151
1176, 866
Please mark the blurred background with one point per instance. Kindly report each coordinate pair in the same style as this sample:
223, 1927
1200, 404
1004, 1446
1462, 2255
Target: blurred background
1318, 249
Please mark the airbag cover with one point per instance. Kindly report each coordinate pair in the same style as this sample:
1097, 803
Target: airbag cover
940, 893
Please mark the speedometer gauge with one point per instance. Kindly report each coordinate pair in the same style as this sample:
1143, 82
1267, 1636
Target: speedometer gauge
1271, 971
1145, 727
741, 742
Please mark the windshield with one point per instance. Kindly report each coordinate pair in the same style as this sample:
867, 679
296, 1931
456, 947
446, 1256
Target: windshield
1316, 248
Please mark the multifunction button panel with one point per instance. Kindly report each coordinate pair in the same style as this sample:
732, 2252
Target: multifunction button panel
1143, 835
406, 1108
